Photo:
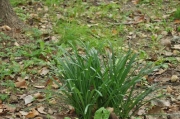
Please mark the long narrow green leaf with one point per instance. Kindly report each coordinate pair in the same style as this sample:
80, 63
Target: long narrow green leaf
93, 82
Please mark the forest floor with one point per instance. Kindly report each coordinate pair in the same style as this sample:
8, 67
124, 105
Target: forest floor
151, 28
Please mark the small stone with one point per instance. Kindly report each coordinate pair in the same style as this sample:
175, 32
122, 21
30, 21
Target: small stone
174, 78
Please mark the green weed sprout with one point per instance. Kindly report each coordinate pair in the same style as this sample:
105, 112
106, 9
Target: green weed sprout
102, 113
92, 81
177, 14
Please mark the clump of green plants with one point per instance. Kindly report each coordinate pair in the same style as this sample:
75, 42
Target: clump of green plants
35, 33
51, 2
8, 83
178, 28
94, 79
102, 113
4, 37
15, 2
146, 1
9, 69
71, 31
3, 97
176, 14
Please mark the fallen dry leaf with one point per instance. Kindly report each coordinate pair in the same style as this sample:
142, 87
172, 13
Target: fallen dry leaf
21, 84
177, 21
16, 44
53, 82
166, 42
175, 52
40, 87
141, 112
139, 18
38, 118
50, 111
1, 111
173, 99
114, 32
135, 1
161, 71
32, 114
22, 96
113, 116
54, 39
20, 79
178, 98
160, 103
55, 85
175, 115
166, 53
35, 16
48, 82
10, 108
169, 89
178, 59
164, 33
110, 109
52, 101
46, 8
173, 108
155, 110
38, 96
28, 99
176, 47
41, 110
23, 113
44, 71
5, 28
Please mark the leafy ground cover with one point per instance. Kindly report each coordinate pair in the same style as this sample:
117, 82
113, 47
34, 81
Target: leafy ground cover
151, 28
